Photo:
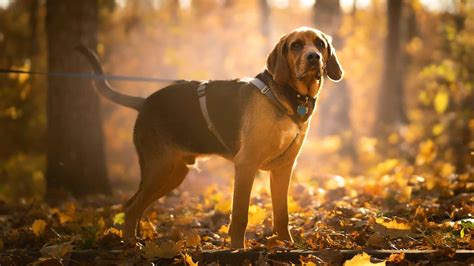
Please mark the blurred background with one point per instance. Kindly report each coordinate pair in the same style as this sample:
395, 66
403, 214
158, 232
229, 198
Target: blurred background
402, 114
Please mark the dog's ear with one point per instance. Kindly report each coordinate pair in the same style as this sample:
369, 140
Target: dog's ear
334, 69
277, 63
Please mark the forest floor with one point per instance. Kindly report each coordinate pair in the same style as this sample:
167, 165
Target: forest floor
360, 222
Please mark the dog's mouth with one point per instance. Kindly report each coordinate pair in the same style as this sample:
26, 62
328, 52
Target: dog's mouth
313, 71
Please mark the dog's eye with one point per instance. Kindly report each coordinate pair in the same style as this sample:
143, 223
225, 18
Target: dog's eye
320, 44
296, 45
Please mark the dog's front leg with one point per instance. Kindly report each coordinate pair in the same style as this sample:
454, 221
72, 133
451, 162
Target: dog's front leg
244, 176
279, 182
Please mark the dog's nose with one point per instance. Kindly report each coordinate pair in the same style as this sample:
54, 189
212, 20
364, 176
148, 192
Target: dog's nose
312, 57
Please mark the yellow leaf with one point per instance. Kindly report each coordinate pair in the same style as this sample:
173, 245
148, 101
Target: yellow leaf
224, 230
256, 215
447, 169
193, 239
396, 257
38, 227
119, 218
113, 230
393, 224
223, 206
189, 260
167, 250
147, 230
441, 101
361, 260
427, 152
437, 129
293, 206
64, 217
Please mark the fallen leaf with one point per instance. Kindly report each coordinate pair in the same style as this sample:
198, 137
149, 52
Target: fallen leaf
396, 257
64, 217
147, 230
273, 242
113, 230
377, 240
57, 251
38, 227
119, 218
192, 238
223, 206
361, 260
393, 224
441, 101
256, 215
167, 250
224, 229
189, 260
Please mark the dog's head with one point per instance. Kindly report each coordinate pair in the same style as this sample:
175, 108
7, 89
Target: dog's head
304, 54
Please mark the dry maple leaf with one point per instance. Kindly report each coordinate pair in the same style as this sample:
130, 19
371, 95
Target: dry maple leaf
361, 260
167, 249
273, 243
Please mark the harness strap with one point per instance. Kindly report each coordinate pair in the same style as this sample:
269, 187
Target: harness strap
201, 93
302, 106
265, 90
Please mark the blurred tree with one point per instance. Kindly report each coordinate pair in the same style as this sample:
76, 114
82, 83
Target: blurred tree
391, 109
75, 157
333, 111
22, 118
265, 24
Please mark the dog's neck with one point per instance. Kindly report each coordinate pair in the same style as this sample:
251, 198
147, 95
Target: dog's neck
308, 86
291, 98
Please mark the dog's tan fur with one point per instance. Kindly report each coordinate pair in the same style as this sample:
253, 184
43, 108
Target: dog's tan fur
268, 140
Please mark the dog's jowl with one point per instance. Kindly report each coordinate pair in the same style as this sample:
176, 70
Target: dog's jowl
259, 124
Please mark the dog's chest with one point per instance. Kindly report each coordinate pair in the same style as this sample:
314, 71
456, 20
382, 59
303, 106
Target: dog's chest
288, 141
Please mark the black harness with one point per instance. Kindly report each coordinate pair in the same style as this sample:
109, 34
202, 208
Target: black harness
301, 106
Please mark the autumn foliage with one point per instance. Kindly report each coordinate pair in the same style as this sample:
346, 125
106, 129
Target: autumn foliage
409, 189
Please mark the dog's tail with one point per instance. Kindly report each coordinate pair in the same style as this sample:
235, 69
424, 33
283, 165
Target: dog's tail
104, 87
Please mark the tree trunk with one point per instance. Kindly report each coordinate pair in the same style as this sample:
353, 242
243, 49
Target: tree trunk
76, 160
265, 25
391, 109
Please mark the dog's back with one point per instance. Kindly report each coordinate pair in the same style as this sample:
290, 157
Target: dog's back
174, 112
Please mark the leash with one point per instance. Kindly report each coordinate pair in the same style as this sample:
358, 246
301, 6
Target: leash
88, 76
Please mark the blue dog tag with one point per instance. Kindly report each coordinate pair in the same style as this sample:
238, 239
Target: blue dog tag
302, 110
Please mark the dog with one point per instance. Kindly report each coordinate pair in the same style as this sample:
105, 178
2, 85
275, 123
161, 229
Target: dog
258, 125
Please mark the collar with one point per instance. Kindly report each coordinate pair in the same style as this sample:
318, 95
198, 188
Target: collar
302, 106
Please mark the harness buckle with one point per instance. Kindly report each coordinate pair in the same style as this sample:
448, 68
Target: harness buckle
265, 89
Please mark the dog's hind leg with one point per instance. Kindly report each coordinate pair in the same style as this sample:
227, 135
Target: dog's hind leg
159, 176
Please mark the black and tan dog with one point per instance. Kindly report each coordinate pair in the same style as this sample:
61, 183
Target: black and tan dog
258, 132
